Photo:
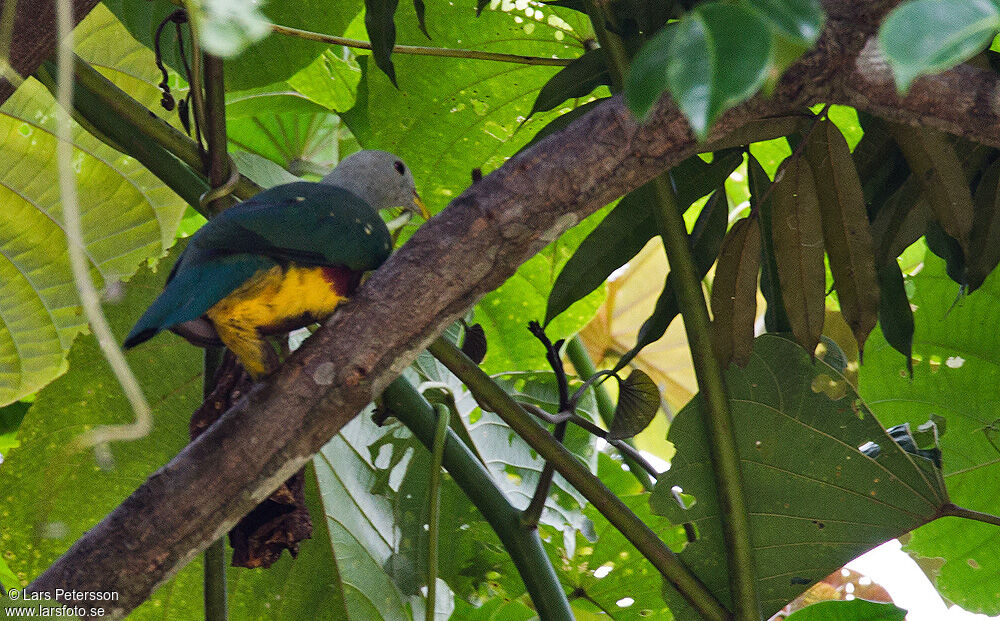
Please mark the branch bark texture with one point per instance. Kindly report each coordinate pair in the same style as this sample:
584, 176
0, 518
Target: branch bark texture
34, 37
467, 250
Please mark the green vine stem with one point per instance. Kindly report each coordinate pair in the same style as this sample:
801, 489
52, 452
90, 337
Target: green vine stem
525, 547
418, 50
580, 359
121, 109
434, 508
691, 301
216, 605
494, 398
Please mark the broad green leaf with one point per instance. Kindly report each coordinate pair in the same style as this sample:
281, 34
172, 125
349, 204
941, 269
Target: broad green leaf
734, 293
815, 500
128, 215
505, 312
798, 251
261, 171
45, 479
846, 234
638, 402
798, 20
854, 610
495, 609
271, 60
706, 240
381, 27
330, 81
956, 375
358, 501
929, 36
717, 56
627, 228
647, 74
575, 80
298, 142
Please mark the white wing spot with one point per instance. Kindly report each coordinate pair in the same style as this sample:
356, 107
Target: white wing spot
299, 199
368, 229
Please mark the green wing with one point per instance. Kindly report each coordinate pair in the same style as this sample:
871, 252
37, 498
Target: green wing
194, 286
310, 223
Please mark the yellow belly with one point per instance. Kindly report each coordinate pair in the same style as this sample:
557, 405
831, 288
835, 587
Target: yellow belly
274, 300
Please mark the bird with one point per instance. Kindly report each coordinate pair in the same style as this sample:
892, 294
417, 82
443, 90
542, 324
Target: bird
282, 260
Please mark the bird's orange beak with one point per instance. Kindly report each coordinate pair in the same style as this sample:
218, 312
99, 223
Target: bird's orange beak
419, 207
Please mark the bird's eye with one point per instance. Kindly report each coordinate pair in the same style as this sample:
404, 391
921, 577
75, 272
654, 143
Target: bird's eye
399, 167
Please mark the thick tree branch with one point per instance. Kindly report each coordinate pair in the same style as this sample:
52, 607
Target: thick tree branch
464, 252
33, 38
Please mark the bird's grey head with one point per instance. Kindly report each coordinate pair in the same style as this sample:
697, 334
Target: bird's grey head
379, 178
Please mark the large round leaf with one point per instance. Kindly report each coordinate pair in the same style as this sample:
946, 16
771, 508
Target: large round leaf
815, 499
956, 375
128, 215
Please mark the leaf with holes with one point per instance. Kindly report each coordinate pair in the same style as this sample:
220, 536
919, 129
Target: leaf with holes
798, 251
128, 215
609, 573
815, 500
638, 402
846, 234
928, 36
514, 465
956, 375
734, 294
